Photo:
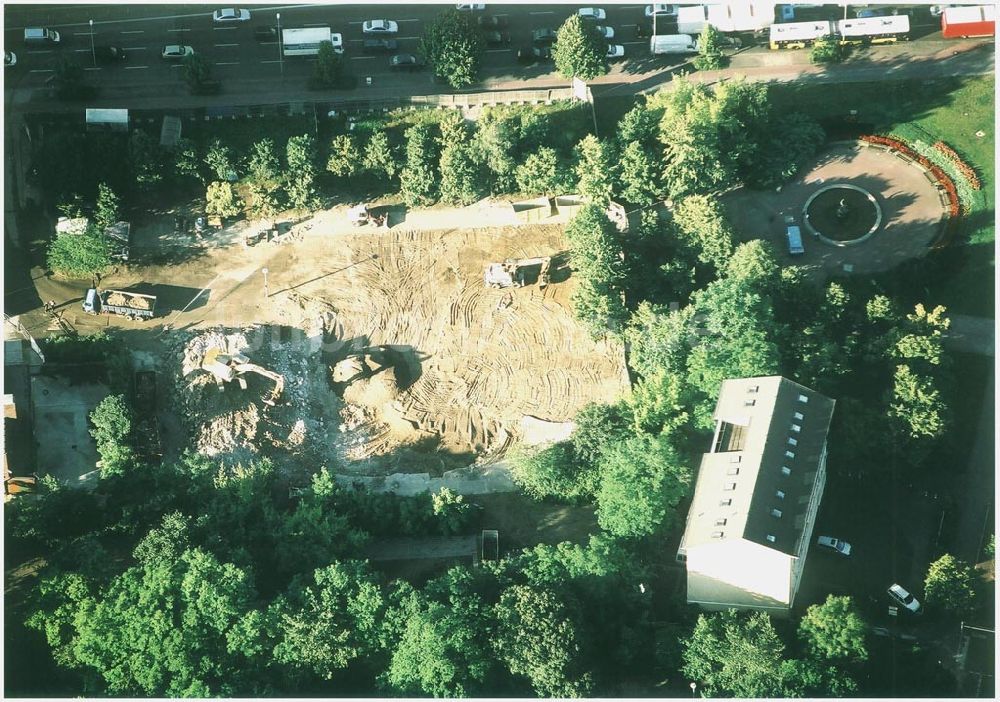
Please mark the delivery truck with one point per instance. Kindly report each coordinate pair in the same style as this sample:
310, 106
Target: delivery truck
120, 302
974, 21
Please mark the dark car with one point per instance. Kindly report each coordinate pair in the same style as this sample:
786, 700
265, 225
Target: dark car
533, 54
543, 37
492, 22
379, 46
405, 62
497, 38
265, 33
109, 54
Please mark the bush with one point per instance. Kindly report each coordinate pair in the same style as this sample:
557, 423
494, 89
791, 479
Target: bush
826, 50
710, 56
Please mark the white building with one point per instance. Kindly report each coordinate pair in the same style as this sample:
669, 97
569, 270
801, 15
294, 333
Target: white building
757, 495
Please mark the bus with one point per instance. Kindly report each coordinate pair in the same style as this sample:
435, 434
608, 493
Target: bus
798, 35
305, 42
875, 30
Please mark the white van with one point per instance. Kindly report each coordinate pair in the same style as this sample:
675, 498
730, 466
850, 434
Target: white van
673, 44
41, 35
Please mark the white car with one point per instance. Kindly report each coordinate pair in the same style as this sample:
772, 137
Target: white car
592, 13
379, 26
472, 6
901, 596
615, 51
176, 51
231, 15
605, 32
839, 546
661, 10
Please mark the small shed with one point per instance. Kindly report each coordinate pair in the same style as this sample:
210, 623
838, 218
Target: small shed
536, 210
110, 120
569, 205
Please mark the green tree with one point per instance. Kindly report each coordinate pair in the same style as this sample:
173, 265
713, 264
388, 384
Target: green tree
710, 56
221, 200
637, 175
345, 156
323, 627
702, 225
596, 256
579, 51
916, 405
826, 50
58, 599
595, 170
950, 585
597, 427
197, 71
554, 472
263, 167
834, 630
454, 46
380, 156
106, 210
497, 141
187, 161
734, 654
112, 420
220, 161
461, 179
543, 172
641, 478
419, 178
328, 71
146, 159
537, 637
79, 255
790, 140
301, 155
261, 202
451, 509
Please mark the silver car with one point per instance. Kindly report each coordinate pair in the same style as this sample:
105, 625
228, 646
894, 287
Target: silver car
838, 546
379, 26
899, 595
231, 14
176, 51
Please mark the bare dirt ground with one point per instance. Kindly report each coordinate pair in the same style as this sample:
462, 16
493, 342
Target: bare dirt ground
396, 356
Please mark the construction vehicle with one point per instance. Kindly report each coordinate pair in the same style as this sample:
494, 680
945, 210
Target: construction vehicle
226, 368
360, 215
146, 427
512, 273
120, 302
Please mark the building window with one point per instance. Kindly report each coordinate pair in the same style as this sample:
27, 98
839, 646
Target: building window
799, 416
780, 494
733, 470
803, 399
792, 442
753, 388
730, 486
789, 454
726, 502
796, 428
785, 470
736, 458
776, 513
717, 534
770, 537
749, 403
721, 521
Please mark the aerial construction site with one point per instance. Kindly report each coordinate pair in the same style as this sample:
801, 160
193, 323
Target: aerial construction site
401, 351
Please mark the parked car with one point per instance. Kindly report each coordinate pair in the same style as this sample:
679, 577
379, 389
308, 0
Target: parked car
605, 32
595, 14
660, 10
839, 546
379, 26
265, 33
899, 595
874, 12
615, 51
794, 236
379, 46
109, 54
491, 21
176, 51
497, 38
534, 54
938, 10
9, 59
405, 62
231, 14
543, 37
473, 6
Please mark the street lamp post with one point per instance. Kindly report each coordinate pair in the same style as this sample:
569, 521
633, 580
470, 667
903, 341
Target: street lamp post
694, 689
281, 51
93, 51
266, 292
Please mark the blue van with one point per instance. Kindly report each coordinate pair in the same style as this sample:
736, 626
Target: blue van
794, 240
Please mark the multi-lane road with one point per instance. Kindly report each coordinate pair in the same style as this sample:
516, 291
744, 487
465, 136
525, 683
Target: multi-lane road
235, 55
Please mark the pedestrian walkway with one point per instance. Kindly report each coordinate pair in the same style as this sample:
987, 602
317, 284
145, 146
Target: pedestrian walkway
971, 334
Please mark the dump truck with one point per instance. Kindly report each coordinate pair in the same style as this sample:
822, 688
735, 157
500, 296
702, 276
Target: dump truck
226, 368
120, 302
512, 273
146, 427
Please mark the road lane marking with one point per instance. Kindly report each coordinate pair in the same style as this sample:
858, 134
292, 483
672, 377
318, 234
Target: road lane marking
316, 24
358, 58
496, 51
133, 31
82, 34
224, 45
178, 30
541, 13
39, 51
630, 43
132, 68
42, 70
135, 48
91, 68
228, 63
218, 28
408, 20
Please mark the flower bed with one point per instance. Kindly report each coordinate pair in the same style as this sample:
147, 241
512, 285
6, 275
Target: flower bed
967, 171
940, 177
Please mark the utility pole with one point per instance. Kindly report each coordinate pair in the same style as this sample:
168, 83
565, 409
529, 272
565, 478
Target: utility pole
266, 292
93, 52
281, 50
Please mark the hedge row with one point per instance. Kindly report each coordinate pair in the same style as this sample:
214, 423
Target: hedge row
942, 178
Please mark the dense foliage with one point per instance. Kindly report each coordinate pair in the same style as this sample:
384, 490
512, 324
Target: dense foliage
454, 46
580, 51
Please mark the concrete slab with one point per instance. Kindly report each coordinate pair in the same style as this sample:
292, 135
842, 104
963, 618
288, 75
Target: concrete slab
65, 448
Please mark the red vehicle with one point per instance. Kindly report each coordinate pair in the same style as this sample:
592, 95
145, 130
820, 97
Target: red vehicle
975, 21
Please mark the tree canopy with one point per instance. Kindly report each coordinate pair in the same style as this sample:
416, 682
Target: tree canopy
579, 51
454, 46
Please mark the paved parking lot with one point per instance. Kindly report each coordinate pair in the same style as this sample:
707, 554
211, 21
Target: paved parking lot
65, 448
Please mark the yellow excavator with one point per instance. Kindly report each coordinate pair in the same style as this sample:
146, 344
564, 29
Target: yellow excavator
226, 368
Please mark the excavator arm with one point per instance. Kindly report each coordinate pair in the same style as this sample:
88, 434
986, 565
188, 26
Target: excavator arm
279, 380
